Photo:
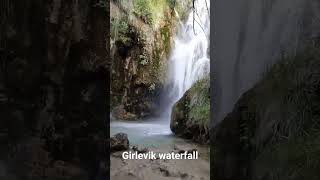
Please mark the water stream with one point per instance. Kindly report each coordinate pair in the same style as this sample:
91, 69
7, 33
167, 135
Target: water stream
189, 61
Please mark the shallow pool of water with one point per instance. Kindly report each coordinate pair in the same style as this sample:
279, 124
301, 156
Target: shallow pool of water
152, 132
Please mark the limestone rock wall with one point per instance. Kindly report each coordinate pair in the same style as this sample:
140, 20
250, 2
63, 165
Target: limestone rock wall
139, 52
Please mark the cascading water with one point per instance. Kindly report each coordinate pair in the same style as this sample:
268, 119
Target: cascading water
189, 59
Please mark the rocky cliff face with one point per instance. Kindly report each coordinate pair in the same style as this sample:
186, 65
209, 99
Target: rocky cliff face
53, 88
141, 40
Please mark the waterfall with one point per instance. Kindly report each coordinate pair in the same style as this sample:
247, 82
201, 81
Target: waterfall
189, 60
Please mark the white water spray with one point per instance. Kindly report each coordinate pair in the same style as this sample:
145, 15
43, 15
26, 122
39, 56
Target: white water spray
189, 59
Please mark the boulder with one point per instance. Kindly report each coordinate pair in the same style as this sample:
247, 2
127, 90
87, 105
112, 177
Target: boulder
120, 113
119, 142
140, 150
190, 115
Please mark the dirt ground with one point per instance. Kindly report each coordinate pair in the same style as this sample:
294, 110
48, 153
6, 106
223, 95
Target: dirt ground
160, 169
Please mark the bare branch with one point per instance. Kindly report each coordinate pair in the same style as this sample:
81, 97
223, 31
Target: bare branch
194, 10
201, 27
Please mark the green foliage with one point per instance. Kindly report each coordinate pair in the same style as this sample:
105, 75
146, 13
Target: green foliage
143, 10
165, 33
151, 11
120, 29
200, 102
191, 114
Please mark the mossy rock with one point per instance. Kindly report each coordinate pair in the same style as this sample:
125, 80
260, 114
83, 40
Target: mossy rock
190, 115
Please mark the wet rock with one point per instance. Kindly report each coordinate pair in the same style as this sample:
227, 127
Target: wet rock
140, 150
117, 154
131, 173
165, 172
119, 142
135, 148
120, 113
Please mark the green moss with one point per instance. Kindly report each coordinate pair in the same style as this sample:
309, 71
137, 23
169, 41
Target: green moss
157, 66
151, 11
143, 10
165, 35
200, 103
190, 115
